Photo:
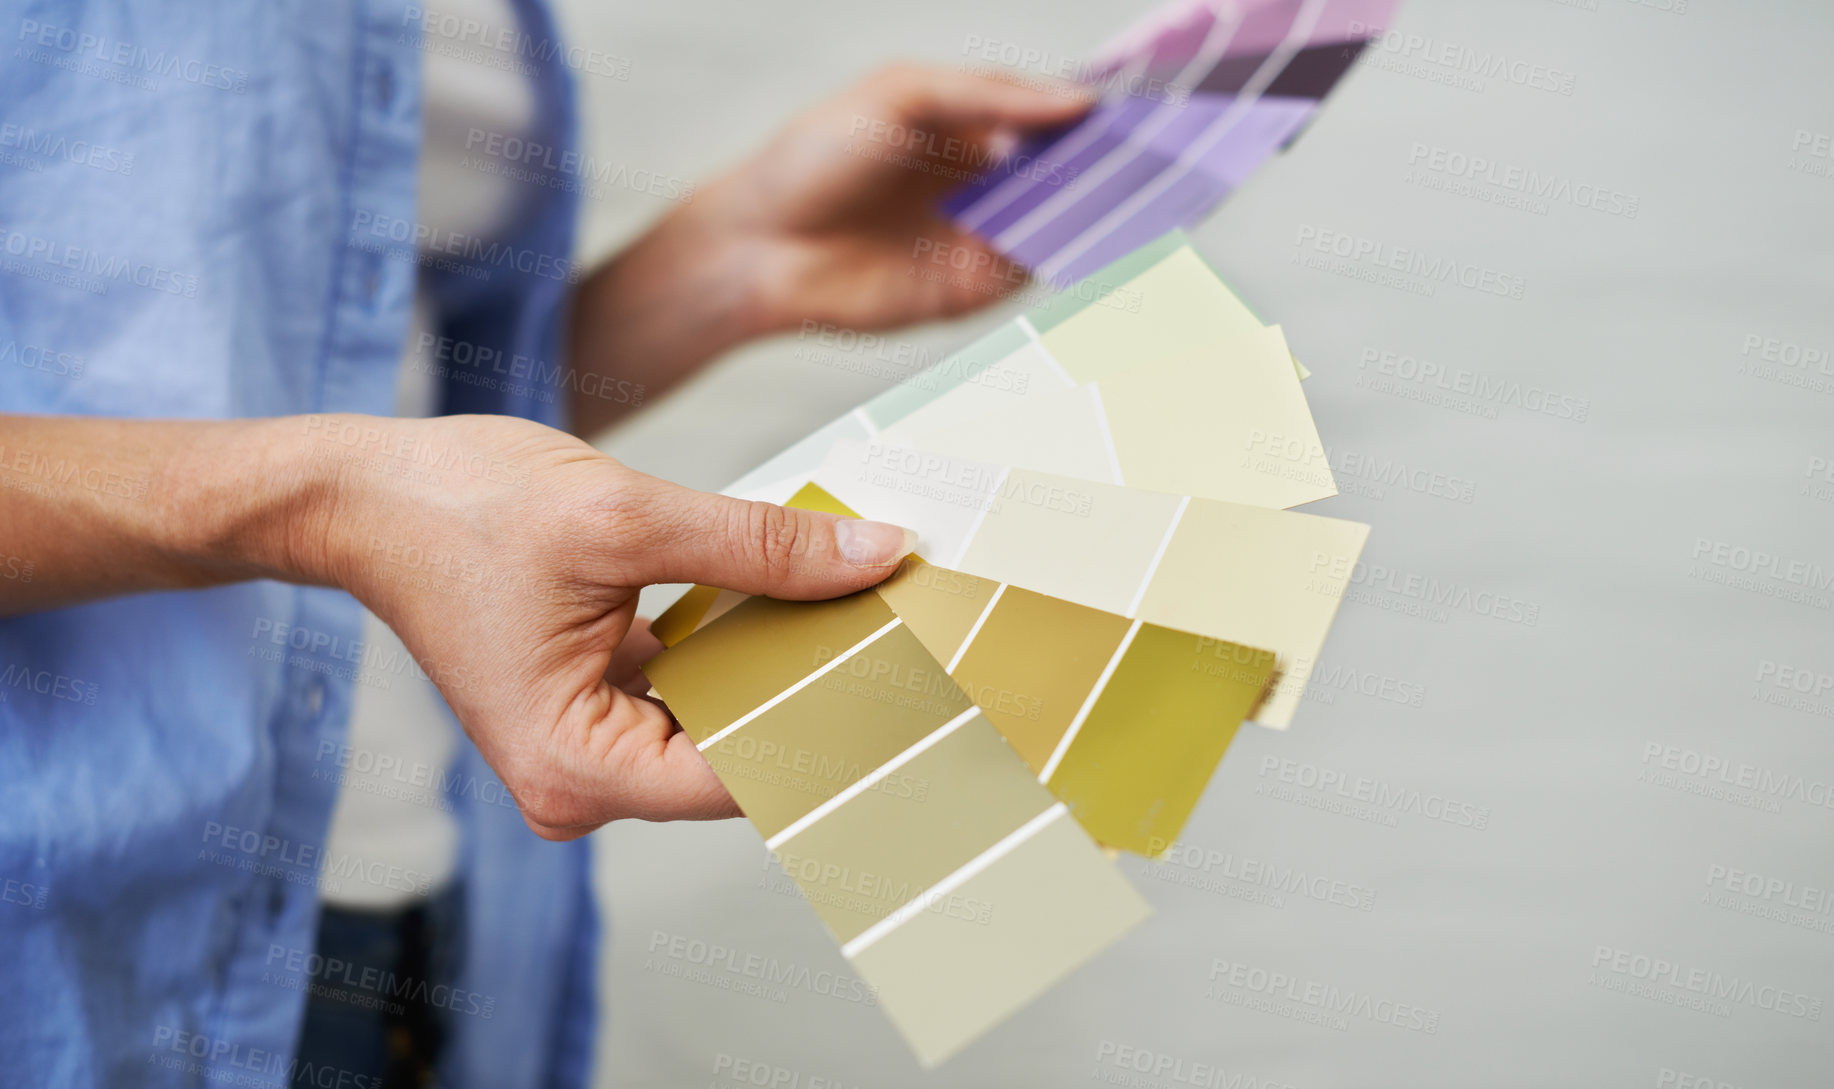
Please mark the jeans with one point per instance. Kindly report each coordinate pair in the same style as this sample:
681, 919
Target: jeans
374, 1011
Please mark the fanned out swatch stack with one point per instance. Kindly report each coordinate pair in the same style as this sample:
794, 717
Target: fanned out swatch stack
1110, 584
1109, 581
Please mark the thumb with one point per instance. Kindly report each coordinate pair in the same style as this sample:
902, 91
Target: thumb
760, 548
943, 96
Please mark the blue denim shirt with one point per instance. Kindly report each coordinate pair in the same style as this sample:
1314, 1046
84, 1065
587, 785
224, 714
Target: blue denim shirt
208, 213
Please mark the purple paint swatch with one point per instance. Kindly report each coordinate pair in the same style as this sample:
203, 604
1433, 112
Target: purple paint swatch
1206, 91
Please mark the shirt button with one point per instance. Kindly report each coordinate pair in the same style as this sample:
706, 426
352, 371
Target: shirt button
276, 899
385, 85
373, 269
315, 698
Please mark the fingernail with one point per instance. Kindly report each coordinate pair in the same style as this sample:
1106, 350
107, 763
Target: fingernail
872, 544
1002, 144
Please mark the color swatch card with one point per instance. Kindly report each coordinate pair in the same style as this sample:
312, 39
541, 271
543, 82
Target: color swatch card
1152, 374
1123, 720
1236, 573
1207, 91
957, 885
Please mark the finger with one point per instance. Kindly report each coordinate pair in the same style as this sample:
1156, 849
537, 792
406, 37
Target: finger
681, 535
637, 647
631, 762
916, 94
871, 283
663, 776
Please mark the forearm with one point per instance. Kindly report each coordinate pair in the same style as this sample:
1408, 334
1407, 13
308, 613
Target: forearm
94, 507
652, 316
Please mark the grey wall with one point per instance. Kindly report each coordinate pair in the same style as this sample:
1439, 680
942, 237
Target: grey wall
1621, 751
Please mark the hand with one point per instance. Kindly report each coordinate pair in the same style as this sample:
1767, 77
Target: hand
824, 224
511, 568
825, 221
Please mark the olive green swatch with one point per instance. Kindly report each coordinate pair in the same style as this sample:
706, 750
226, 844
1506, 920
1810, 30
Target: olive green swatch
885, 794
1137, 765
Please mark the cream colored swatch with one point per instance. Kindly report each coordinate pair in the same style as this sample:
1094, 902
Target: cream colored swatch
1026, 375
1064, 431
1261, 578
1236, 428
1088, 543
1182, 304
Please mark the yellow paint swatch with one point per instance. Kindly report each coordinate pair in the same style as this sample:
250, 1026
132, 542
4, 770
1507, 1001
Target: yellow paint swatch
687, 614
900, 812
1152, 709
1032, 664
940, 605
1243, 574
1145, 749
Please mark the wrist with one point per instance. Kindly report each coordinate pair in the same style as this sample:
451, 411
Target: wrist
682, 294
270, 498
